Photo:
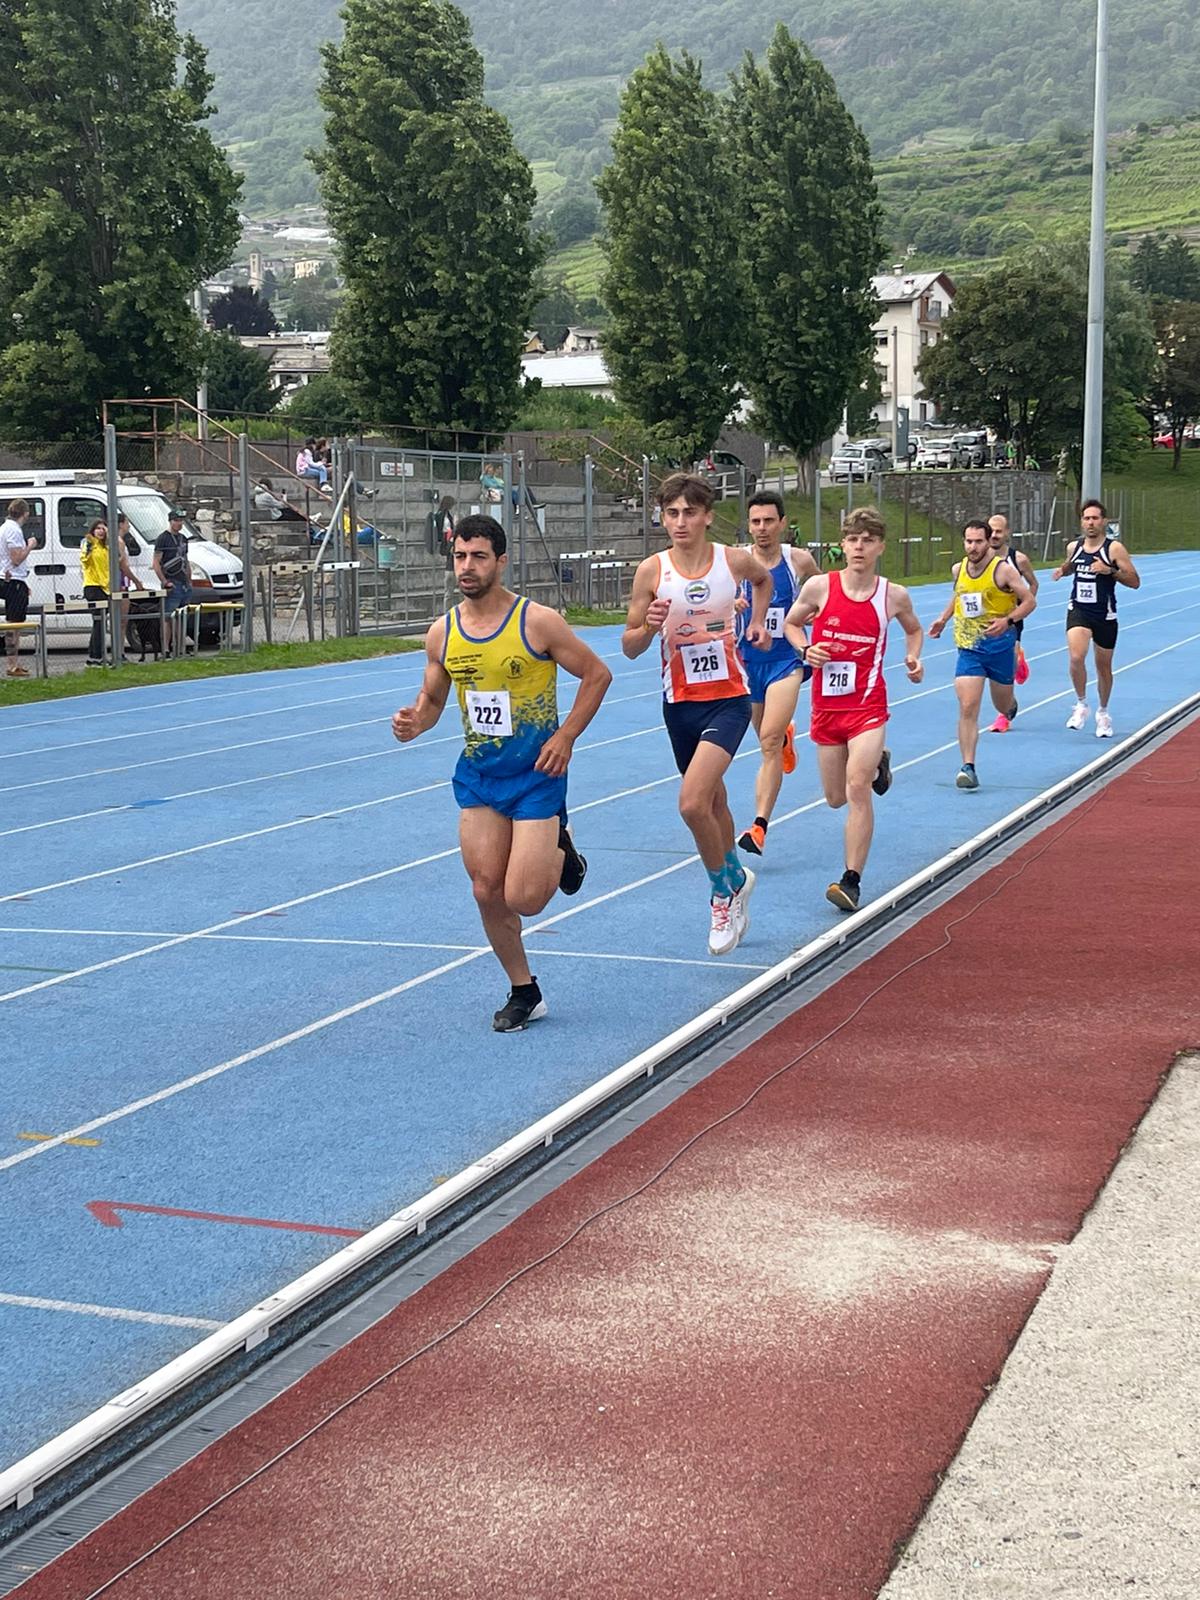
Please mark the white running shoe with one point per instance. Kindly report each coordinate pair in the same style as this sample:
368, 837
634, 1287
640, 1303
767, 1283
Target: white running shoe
1079, 716
1104, 727
741, 905
725, 931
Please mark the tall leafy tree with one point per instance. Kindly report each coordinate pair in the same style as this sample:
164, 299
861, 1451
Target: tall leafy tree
671, 280
808, 226
1175, 387
430, 203
238, 379
242, 310
114, 205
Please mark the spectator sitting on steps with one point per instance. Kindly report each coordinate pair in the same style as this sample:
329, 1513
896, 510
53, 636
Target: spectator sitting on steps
272, 505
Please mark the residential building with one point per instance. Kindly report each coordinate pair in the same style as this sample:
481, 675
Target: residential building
579, 339
915, 305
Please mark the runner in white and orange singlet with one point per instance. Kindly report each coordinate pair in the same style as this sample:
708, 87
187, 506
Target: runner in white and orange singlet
849, 612
687, 596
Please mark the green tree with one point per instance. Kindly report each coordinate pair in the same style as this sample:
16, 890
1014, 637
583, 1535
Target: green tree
1146, 269
243, 311
430, 204
114, 205
671, 280
1175, 386
323, 406
808, 226
238, 379
1011, 356
1180, 276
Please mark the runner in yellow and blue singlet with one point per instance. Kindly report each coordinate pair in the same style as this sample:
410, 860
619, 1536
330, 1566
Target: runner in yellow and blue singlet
501, 653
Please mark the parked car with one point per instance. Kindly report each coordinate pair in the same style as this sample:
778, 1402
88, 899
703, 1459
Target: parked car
724, 471
858, 461
932, 453
970, 448
63, 505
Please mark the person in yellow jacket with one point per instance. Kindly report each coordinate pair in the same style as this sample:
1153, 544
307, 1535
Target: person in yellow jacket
989, 597
93, 560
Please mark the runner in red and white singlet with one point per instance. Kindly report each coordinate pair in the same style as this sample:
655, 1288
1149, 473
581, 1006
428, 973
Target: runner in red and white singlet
686, 595
849, 613
849, 694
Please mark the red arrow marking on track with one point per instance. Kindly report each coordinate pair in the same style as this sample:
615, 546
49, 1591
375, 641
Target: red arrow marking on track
105, 1211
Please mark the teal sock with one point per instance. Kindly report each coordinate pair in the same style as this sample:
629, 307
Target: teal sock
717, 879
735, 872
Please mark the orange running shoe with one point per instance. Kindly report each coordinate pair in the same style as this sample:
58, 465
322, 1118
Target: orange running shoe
753, 840
1022, 673
789, 748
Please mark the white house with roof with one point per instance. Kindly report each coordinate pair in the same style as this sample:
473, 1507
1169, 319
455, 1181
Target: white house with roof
582, 370
915, 306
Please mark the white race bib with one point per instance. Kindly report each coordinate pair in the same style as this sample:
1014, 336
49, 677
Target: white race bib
837, 677
774, 621
704, 663
1085, 591
490, 713
972, 604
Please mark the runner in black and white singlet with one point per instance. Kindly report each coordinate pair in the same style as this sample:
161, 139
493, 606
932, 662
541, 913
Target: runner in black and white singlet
1097, 563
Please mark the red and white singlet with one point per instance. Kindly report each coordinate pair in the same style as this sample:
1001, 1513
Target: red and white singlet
851, 683
700, 659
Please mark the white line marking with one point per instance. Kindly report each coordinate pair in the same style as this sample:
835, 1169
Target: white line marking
187, 727
379, 944
83, 1129
121, 1313
253, 744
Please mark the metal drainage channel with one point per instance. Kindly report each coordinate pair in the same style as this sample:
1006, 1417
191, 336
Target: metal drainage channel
118, 1472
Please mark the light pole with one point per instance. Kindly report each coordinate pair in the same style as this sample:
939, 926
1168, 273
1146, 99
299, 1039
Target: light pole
1093, 387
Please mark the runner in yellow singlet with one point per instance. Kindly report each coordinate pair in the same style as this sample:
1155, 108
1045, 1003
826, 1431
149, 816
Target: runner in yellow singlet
501, 654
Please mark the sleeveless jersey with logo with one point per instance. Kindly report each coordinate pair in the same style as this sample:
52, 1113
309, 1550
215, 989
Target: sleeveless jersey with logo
855, 633
700, 659
783, 597
506, 693
1092, 594
978, 601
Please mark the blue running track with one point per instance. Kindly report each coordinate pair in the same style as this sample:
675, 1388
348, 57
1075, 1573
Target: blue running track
241, 971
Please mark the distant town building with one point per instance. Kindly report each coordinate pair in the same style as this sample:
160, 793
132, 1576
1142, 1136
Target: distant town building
533, 345
915, 305
294, 357
581, 339
307, 267
582, 370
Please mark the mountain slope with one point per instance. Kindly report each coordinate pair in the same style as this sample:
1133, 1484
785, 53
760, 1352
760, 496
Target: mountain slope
555, 67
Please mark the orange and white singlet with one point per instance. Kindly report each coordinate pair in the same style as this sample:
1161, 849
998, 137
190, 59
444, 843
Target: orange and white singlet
700, 659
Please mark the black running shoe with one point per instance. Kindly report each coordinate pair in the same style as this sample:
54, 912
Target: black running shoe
882, 781
845, 893
523, 1006
574, 869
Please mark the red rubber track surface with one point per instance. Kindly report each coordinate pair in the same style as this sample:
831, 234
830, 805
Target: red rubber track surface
746, 1381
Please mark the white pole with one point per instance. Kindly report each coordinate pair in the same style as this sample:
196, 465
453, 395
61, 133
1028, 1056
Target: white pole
1093, 391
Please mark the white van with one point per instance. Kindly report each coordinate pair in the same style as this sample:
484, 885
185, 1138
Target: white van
63, 506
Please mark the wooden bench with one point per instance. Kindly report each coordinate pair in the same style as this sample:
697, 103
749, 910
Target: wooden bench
35, 626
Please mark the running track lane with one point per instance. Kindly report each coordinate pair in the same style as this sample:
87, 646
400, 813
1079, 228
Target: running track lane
746, 1381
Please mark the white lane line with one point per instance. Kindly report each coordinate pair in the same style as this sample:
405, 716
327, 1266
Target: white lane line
83, 1129
382, 944
120, 1313
292, 678
278, 827
188, 727
254, 744
133, 955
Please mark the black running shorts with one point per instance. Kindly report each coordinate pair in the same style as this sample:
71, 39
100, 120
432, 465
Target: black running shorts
1102, 629
16, 599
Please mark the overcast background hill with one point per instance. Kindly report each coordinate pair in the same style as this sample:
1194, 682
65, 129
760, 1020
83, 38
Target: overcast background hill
954, 72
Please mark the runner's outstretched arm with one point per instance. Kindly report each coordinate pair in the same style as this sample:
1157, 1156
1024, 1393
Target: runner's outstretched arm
418, 718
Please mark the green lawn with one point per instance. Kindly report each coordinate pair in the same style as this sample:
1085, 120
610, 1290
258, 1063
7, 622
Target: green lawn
1158, 508
266, 658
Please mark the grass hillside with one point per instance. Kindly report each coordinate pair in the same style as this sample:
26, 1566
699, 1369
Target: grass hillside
961, 207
